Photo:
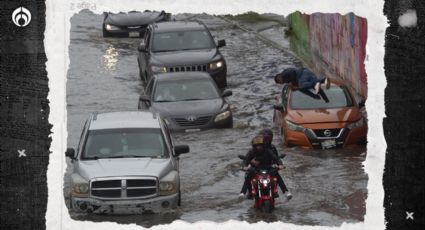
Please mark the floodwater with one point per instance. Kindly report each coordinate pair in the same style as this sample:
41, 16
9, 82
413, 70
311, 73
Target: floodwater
328, 186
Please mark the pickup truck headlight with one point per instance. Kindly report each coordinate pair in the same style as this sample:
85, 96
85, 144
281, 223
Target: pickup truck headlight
168, 184
360, 123
222, 116
216, 65
158, 69
165, 186
111, 27
80, 186
294, 127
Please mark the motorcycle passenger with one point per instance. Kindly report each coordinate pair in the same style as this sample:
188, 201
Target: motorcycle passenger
258, 157
268, 138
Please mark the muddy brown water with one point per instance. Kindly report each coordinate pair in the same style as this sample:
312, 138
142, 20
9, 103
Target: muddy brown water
329, 186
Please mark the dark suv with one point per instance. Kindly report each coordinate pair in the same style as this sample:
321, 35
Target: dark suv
181, 46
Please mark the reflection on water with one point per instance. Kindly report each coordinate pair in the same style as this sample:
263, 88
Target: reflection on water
110, 58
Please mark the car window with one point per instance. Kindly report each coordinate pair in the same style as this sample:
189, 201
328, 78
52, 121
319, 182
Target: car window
182, 40
168, 91
117, 143
337, 97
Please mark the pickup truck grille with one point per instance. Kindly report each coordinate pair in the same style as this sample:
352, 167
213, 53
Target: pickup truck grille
188, 68
123, 188
196, 122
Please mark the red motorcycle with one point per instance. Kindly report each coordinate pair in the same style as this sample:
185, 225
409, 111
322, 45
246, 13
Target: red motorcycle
263, 186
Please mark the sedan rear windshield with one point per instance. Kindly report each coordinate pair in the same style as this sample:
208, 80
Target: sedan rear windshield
187, 90
125, 143
182, 40
334, 97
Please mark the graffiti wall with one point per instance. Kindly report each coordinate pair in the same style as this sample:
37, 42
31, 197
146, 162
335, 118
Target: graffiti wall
331, 44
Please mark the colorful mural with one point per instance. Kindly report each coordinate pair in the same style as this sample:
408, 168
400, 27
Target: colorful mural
331, 44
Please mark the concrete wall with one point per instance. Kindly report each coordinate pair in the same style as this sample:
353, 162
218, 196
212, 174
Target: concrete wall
332, 45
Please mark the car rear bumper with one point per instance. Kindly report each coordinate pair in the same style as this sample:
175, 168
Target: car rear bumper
156, 205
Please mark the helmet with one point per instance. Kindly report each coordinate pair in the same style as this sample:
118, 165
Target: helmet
267, 134
258, 140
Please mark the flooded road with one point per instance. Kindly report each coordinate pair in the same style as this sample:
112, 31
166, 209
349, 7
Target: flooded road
329, 186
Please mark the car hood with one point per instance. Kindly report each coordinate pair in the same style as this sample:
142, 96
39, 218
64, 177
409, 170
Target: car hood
134, 18
182, 108
185, 57
123, 167
324, 115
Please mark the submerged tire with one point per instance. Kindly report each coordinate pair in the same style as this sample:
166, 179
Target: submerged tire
267, 207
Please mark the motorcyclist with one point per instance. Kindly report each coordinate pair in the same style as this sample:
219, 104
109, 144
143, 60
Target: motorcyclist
268, 138
258, 157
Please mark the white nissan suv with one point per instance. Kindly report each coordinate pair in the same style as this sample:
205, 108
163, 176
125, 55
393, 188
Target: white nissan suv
125, 162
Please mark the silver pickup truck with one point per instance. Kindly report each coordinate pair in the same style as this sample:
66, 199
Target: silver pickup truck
125, 162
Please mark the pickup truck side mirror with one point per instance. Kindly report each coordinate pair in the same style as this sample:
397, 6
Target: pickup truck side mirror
70, 152
142, 47
180, 149
279, 107
227, 93
221, 43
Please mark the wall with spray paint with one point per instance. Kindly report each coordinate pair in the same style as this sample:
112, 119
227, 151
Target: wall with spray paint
331, 44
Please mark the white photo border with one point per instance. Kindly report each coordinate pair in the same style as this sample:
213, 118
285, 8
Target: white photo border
57, 40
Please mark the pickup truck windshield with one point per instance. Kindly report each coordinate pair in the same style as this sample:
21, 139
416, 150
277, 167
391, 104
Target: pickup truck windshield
125, 143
